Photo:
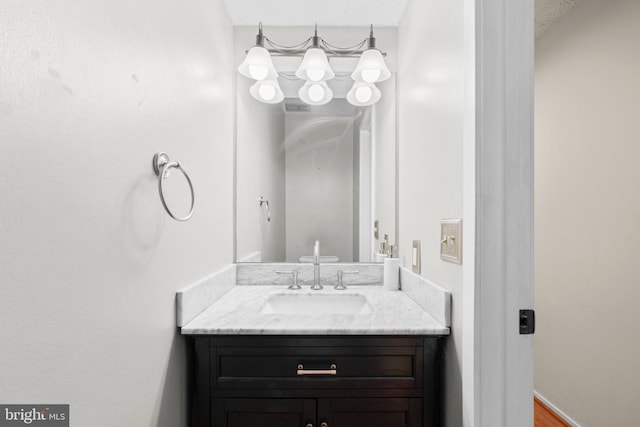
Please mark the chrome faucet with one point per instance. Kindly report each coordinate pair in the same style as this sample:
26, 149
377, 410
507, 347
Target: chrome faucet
340, 285
294, 279
316, 267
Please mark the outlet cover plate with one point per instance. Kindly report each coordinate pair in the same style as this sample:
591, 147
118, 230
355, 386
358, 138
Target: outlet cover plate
451, 240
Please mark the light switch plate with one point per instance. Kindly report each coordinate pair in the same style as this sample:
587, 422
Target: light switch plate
451, 240
415, 257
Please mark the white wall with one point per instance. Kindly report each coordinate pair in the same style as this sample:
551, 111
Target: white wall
319, 185
430, 120
89, 261
587, 229
260, 171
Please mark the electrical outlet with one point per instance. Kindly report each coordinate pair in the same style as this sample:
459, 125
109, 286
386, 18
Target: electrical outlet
451, 240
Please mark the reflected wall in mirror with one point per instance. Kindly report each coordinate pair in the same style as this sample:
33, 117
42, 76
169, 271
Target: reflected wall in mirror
327, 172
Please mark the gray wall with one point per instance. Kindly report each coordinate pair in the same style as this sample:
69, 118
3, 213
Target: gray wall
89, 261
319, 185
260, 171
384, 162
430, 124
587, 213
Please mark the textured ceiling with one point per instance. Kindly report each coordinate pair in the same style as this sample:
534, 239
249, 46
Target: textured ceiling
549, 11
352, 13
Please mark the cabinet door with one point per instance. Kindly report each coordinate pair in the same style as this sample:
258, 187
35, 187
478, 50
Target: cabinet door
263, 412
370, 412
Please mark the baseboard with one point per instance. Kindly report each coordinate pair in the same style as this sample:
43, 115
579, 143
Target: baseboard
555, 409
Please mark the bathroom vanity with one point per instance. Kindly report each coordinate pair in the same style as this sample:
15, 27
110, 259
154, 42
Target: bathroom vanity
262, 354
309, 381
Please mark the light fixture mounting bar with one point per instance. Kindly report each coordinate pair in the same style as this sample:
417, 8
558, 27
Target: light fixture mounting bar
300, 53
317, 42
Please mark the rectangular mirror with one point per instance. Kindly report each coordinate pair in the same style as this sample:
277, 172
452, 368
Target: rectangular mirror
307, 173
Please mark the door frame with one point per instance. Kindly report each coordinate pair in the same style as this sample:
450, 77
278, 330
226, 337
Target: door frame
497, 362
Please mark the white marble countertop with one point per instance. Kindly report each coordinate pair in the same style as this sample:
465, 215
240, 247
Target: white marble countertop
239, 312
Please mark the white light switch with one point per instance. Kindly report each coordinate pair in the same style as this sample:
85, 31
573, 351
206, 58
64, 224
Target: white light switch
451, 240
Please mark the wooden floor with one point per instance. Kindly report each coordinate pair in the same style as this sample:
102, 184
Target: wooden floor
543, 416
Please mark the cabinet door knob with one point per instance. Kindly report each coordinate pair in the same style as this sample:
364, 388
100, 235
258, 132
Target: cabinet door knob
324, 424
309, 425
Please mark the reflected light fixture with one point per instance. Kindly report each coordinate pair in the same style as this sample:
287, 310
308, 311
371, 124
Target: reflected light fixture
315, 93
314, 69
363, 94
267, 91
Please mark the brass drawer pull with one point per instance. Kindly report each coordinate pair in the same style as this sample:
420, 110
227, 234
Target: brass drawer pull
333, 370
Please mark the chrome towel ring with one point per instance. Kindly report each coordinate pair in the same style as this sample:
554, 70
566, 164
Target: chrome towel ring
162, 166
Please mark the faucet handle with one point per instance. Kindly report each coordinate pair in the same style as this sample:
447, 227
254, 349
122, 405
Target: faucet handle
340, 286
294, 276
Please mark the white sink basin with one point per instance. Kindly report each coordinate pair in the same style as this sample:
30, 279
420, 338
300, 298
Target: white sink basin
317, 304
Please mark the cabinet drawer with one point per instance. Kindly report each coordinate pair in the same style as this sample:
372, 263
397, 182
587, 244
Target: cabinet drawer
316, 367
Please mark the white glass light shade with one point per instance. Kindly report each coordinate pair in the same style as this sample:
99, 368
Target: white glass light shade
267, 91
315, 66
371, 68
258, 65
315, 93
363, 94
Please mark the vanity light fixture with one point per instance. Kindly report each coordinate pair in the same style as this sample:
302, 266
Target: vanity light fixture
315, 69
315, 65
371, 67
257, 64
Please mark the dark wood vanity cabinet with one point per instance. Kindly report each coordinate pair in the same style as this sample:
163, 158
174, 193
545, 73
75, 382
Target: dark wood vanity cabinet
315, 381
